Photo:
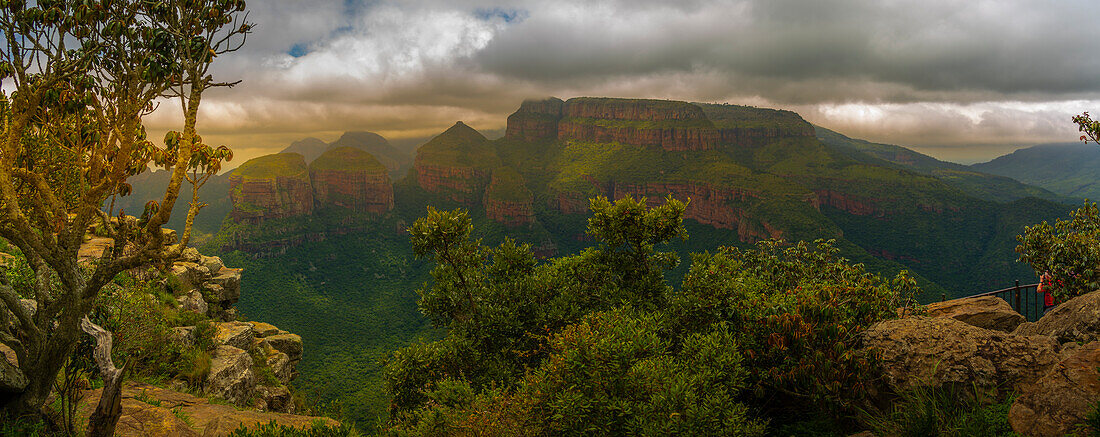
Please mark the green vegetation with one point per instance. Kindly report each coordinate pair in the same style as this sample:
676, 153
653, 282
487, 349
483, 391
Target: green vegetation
269, 166
946, 412
1068, 251
459, 146
508, 186
599, 343
317, 429
347, 158
696, 123
727, 116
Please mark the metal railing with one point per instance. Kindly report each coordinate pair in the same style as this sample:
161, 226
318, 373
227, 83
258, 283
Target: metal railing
1023, 298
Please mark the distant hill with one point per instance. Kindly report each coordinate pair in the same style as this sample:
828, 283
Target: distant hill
1070, 169
150, 186
975, 181
395, 160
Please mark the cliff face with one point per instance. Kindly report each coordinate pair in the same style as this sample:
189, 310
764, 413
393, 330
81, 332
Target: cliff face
746, 126
709, 205
456, 164
669, 125
536, 120
272, 186
507, 200
351, 178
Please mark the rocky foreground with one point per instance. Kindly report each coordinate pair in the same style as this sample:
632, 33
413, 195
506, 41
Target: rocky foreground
982, 346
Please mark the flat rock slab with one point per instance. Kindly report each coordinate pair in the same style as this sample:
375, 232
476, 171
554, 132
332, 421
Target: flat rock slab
929, 351
988, 312
1061, 400
193, 416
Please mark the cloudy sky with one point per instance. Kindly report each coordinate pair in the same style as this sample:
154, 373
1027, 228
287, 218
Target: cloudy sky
960, 80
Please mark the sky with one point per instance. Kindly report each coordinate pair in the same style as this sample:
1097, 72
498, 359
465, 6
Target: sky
964, 81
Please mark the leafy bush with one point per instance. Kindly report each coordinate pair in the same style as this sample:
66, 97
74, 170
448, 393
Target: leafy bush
797, 312
1069, 251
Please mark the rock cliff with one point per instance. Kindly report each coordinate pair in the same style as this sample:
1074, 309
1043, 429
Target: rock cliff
457, 164
536, 120
270, 187
507, 200
644, 123
351, 178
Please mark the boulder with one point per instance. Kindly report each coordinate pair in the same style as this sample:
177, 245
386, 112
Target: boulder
12, 379
230, 282
193, 302
231, 376
187, 273
987, 312
236, 334
1076, 320
1062, 399
191, 254
261, 329
184, 335
289, 344
213, 264
277, 399
280, 366
927, 351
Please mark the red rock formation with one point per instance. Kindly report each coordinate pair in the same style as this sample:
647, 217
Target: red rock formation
461, 184
511, 214
358, 190
846, 202
709, 205
536, 120
256, 199
645, 123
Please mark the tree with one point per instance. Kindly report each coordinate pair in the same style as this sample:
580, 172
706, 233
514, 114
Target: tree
82, 74
1089, 128
1068, 250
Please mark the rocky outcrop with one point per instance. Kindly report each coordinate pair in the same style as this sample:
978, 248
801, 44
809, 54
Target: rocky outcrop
988, 312
709, 204
536, 120
351, 178
1061, 399
236, 334
456, 164
845, 202
193, 280
507, 200
1076, 320
271, 187
154, 411
666, 124
936, 351
231, 377
746, 126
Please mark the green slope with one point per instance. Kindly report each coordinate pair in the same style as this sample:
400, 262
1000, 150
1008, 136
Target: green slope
975, 181
1070, 169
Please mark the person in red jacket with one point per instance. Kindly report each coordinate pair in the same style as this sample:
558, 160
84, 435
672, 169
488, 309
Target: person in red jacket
1046, 287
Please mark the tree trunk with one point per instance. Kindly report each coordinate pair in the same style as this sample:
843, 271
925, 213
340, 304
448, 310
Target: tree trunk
103, 420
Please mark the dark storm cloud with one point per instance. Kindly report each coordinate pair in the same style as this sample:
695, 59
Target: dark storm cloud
927, 72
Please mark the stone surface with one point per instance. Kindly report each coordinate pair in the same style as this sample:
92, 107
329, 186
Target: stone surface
193, 302
1061, 399
644, 123
507, 199
188, 274
261, 329
536, 120
926, 351
1076, 320
351, 178
236, 334
230, 282
289, 344
184, 335
212, 263
989, 312
231, 376
140, 418
280, 366
12, 380
271, 186
277, 399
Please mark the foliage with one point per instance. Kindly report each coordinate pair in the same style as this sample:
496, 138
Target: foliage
1069, 251
317, 429
797, 313
599, 343
946, 411
1089, 128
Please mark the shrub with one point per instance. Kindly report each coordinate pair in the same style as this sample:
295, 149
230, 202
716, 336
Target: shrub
317, 429
949, 412
1069, 251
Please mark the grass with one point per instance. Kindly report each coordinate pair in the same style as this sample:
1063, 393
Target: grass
347, 158
267, 166
144, 397
183, 416
927, 411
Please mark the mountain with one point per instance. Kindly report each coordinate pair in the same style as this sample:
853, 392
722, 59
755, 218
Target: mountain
975, 181
391, 157
1069, 169
748, 173
310, 148
150, 186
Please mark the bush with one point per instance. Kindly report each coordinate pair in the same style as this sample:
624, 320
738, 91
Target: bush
317, 429
947, 412
1069, 251
797, 313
